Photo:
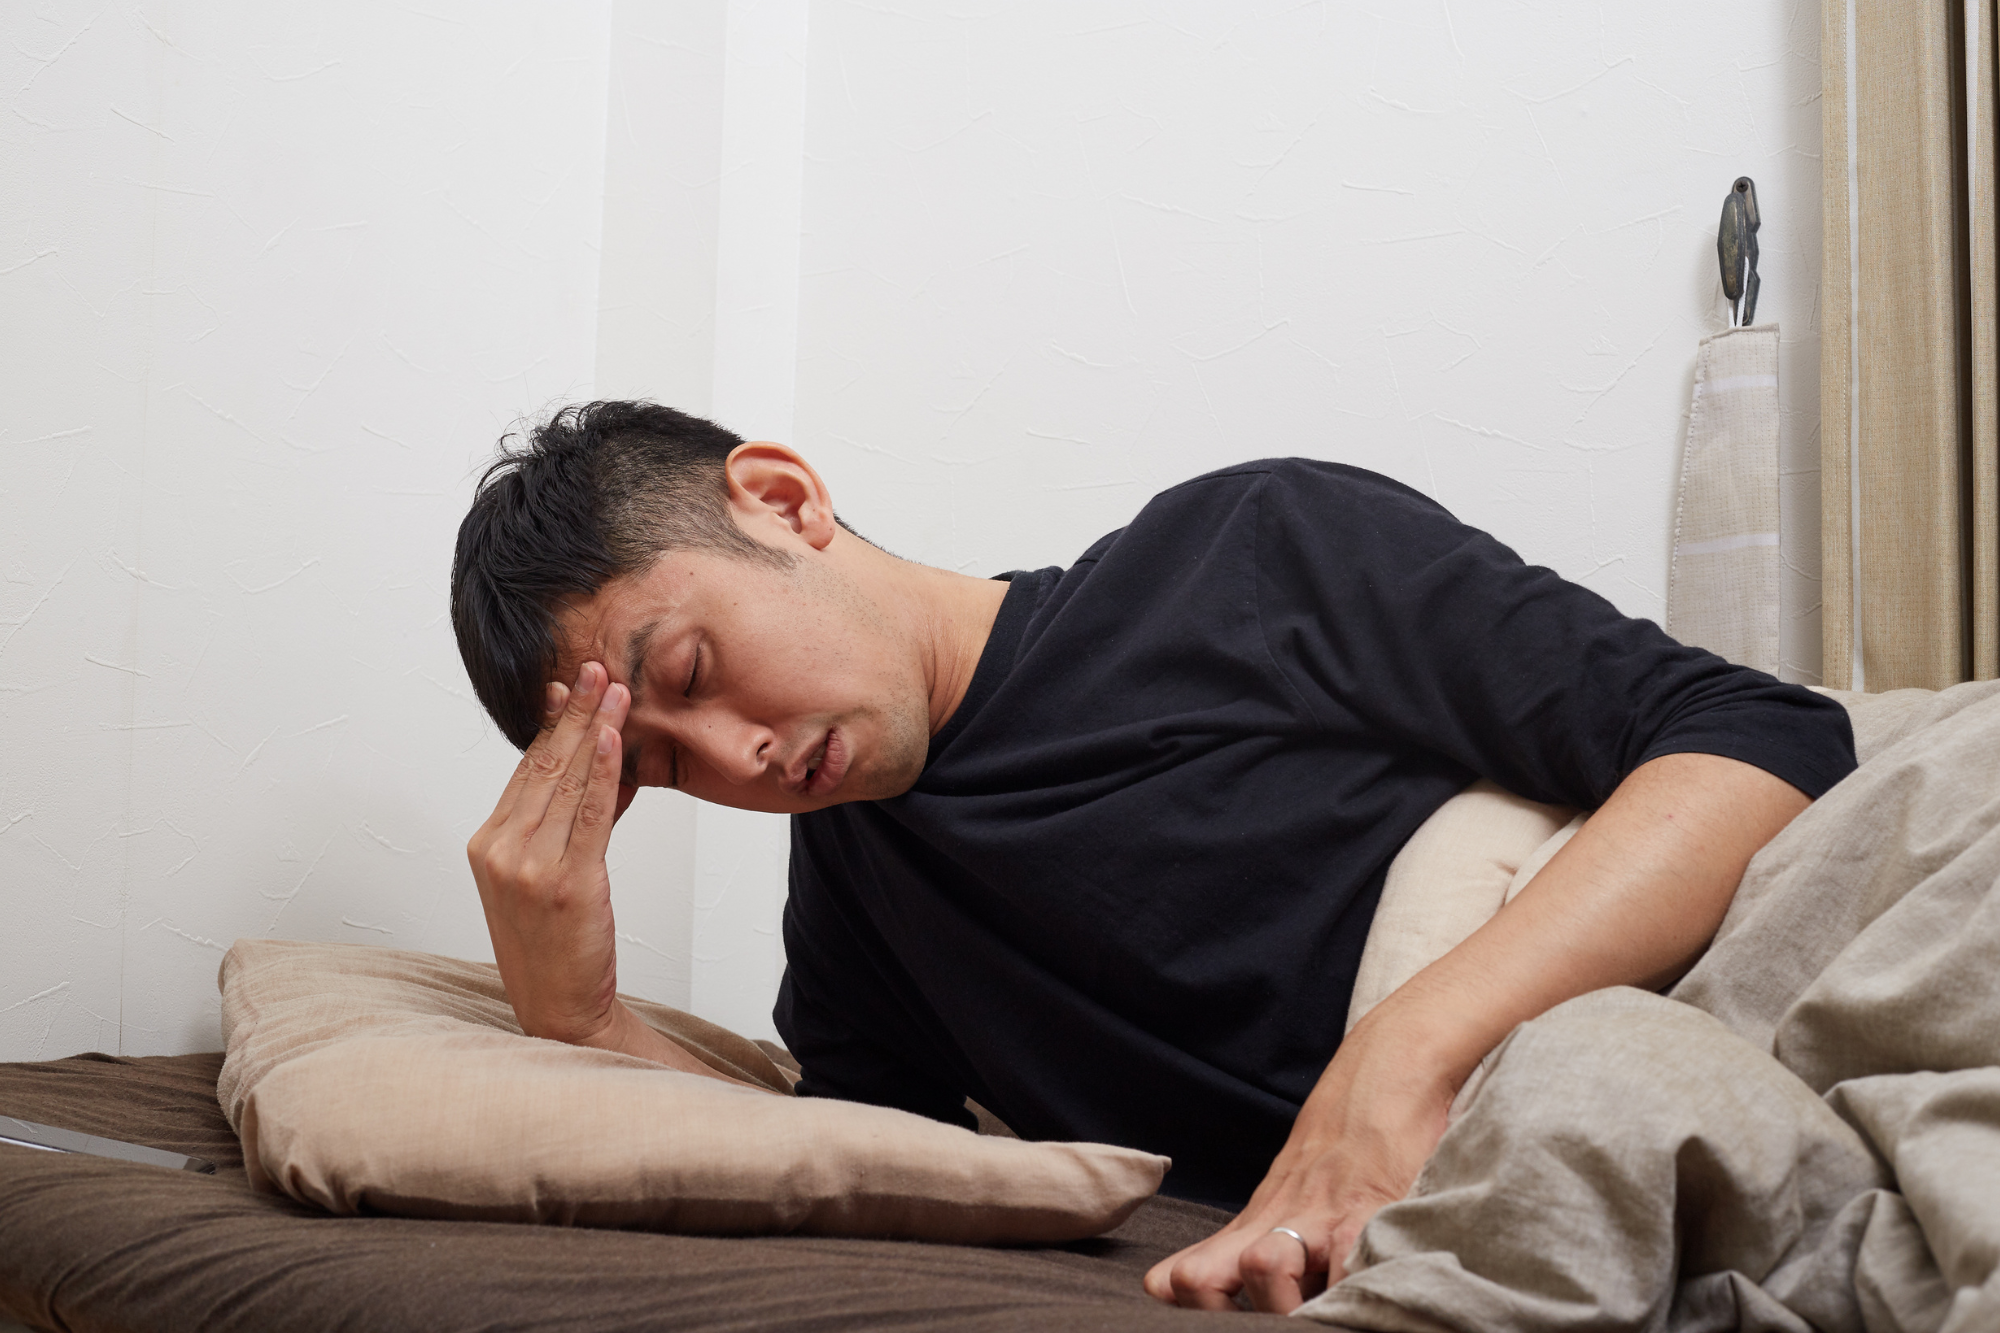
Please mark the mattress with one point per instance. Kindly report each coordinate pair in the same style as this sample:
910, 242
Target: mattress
100, 1245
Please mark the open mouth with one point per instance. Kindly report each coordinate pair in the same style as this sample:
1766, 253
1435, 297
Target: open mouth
827, 766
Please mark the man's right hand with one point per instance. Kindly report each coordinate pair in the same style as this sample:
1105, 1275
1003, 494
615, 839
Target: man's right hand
539, 863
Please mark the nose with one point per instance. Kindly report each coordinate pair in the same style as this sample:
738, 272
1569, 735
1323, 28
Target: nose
741, 750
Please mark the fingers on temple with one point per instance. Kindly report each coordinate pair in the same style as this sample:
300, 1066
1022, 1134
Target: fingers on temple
553, 702
590, 779
562, 775
553, 755
591, 834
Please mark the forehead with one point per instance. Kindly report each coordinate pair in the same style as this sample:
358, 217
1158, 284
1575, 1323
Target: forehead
599, 628
680, 589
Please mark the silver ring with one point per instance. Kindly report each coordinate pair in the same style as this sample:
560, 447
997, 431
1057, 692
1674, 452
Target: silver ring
1287, 1231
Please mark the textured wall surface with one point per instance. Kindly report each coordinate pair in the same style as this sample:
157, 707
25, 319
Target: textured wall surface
1061, 255
275, 277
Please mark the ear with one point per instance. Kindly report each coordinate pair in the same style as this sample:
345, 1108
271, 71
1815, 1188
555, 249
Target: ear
777, 498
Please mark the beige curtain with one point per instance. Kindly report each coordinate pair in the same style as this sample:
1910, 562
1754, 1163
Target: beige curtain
1910, 427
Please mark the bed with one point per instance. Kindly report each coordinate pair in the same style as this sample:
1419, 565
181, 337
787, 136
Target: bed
99, 1245
1804, 1133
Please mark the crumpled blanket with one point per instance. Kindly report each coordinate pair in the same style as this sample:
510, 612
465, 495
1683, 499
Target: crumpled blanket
1804, 1134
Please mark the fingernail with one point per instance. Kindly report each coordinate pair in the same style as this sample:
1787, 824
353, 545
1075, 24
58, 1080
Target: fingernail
613, 698
583, 678
552, 698
606, 737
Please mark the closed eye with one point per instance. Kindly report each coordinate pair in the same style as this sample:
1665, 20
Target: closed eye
694, 672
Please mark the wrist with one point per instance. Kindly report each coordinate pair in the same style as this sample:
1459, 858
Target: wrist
569, 1026
1428, 1048
628, 1034
613, 1030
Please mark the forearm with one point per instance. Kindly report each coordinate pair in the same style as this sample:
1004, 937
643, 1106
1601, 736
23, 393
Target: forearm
539, 864
1633, 899
593, 1016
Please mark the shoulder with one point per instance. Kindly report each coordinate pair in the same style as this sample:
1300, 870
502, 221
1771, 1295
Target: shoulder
1273, 515
1305, 508
1298, 481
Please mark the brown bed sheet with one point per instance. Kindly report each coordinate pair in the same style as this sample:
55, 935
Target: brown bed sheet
99, 1246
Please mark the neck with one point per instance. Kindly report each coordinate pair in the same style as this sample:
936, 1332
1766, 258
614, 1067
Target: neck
967, 608
945, 617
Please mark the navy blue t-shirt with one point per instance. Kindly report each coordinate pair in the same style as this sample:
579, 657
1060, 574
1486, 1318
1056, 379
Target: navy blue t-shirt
1127, 897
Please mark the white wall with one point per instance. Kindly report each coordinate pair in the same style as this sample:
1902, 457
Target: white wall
1063, 254
275, 278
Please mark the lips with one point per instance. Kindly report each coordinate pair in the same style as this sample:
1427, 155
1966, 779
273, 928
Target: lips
826, 766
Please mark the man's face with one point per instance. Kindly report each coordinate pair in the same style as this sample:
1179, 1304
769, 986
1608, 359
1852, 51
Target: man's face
756, 687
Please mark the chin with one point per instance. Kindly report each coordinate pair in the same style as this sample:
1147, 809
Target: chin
884, 766
872, 784
905, 764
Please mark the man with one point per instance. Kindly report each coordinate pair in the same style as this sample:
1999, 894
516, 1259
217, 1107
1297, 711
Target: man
1099, 847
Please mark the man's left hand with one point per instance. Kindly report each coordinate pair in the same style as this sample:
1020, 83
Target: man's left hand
1358, 1144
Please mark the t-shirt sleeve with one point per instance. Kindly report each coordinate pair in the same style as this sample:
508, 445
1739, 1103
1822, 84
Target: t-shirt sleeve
843, 1019
1375, 600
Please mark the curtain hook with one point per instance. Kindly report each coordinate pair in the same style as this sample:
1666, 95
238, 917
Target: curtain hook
1736, 251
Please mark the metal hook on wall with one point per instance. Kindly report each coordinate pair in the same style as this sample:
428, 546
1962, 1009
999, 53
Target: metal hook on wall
1736, 250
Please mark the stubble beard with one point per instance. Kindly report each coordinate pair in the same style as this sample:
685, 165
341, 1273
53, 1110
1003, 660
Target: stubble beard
904, 743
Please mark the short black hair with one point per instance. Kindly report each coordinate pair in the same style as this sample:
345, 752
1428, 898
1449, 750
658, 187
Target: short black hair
596, 492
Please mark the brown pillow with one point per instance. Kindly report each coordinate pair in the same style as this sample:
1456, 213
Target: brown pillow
365, 1079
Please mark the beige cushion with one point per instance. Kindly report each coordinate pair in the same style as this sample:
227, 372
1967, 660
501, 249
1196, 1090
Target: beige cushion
1480, 849
365, 1079
1457, 870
